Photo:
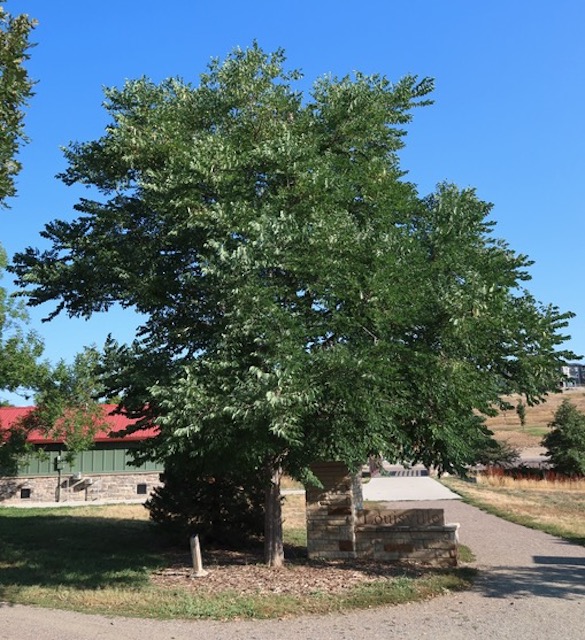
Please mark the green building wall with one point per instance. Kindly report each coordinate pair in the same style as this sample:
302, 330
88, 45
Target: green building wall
113, 457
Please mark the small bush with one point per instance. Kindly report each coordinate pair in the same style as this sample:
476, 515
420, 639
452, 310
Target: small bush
499, 454
225, 508
566, 440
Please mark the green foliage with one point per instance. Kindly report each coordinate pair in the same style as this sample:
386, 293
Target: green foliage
302, 301
565, 441
13, 448
498, 454
67, 404
15, 90
66, 409
19, 350
225, 508
521, 412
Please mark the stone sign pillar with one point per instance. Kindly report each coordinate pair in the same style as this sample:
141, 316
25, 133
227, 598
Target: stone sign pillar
331, 512
339, 528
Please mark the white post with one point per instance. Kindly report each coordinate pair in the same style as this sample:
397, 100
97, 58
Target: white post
198, 571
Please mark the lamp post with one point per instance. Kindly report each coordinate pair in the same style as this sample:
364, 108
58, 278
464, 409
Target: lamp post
58, 464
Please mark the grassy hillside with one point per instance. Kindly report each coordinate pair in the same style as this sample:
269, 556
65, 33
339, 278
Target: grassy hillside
507, 427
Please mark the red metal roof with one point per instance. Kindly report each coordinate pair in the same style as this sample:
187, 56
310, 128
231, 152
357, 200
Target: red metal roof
115, 423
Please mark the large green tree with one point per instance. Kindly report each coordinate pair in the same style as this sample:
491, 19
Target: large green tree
19, 349
302, 301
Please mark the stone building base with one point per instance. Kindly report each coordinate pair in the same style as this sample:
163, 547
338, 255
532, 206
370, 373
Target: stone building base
76, 488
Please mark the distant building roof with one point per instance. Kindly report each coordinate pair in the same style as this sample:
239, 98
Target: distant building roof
116, 423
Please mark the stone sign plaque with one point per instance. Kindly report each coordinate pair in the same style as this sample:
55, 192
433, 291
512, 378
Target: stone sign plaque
413, 518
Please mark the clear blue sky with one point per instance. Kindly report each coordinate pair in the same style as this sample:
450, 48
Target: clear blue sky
508, 117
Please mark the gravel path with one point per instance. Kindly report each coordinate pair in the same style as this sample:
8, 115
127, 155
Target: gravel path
531, 586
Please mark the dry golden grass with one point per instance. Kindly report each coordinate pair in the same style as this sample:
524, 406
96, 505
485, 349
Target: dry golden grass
506, 426
530, 484
294, 512
555, 507
289, 483
113, 511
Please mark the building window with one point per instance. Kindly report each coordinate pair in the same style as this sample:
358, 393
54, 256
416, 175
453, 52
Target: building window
141, 489
25, 494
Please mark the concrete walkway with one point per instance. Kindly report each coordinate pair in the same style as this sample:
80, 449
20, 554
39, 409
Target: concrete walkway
406, 488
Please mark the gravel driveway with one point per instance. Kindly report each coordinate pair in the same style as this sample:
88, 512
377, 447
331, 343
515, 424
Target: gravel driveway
531, 586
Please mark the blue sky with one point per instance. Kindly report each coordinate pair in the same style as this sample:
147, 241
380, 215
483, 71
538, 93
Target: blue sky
507, 118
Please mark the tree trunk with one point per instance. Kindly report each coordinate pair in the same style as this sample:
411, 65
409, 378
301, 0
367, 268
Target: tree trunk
273, 546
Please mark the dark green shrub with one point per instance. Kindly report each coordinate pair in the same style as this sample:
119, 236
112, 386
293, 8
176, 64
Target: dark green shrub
495, 453
13, 449
226, 508
566, 440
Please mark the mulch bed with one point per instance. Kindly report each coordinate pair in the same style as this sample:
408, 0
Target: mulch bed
245, 573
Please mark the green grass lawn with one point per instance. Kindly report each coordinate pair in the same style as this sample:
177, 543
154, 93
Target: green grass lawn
102, 560
60, 547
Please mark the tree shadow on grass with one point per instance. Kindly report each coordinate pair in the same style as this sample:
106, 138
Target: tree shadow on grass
76, 552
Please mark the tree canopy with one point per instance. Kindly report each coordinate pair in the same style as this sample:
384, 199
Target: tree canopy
303, 301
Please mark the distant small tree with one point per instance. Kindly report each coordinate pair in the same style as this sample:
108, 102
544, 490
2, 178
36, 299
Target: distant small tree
67, 403
67, 409
521, 412
566, 440
498, 454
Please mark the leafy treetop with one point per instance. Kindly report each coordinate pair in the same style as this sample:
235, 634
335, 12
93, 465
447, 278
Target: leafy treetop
302, 300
